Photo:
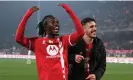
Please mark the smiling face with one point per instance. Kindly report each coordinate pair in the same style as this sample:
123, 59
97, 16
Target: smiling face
52, 26
90, 29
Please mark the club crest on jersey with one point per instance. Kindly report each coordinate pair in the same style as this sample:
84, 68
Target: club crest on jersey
50, 41
52, 50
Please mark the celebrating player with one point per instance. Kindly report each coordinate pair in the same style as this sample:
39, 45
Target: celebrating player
50, 49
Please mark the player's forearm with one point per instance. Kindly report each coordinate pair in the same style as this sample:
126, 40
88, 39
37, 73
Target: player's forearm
102, 67
99, 73
21, 28
75, 19
71, 58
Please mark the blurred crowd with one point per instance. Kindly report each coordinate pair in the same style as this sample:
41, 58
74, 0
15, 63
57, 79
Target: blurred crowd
114, 25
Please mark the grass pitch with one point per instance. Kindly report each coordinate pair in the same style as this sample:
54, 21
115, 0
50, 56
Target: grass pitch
14, 69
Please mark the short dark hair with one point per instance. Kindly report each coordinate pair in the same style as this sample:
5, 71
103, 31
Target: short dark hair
86, 20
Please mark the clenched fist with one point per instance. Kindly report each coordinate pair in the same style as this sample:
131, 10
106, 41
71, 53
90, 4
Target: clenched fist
79, 58
35, 8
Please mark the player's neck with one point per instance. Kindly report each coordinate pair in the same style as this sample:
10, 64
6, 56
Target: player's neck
51, 36
87, 39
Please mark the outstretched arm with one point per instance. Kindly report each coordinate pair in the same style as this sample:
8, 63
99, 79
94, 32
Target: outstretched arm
79, 30
26, 42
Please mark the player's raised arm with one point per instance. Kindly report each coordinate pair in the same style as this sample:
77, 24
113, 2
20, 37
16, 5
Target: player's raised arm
21, 28
79, 30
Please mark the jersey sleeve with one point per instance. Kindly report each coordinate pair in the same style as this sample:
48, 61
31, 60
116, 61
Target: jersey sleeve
19, 37
30, 43
72, 38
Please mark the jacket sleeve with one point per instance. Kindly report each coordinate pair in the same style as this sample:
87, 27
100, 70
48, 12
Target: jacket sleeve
102, 63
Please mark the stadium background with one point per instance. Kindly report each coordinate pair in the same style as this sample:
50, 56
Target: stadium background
114, 27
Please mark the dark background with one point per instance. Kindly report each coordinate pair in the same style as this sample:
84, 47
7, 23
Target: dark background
114, 20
